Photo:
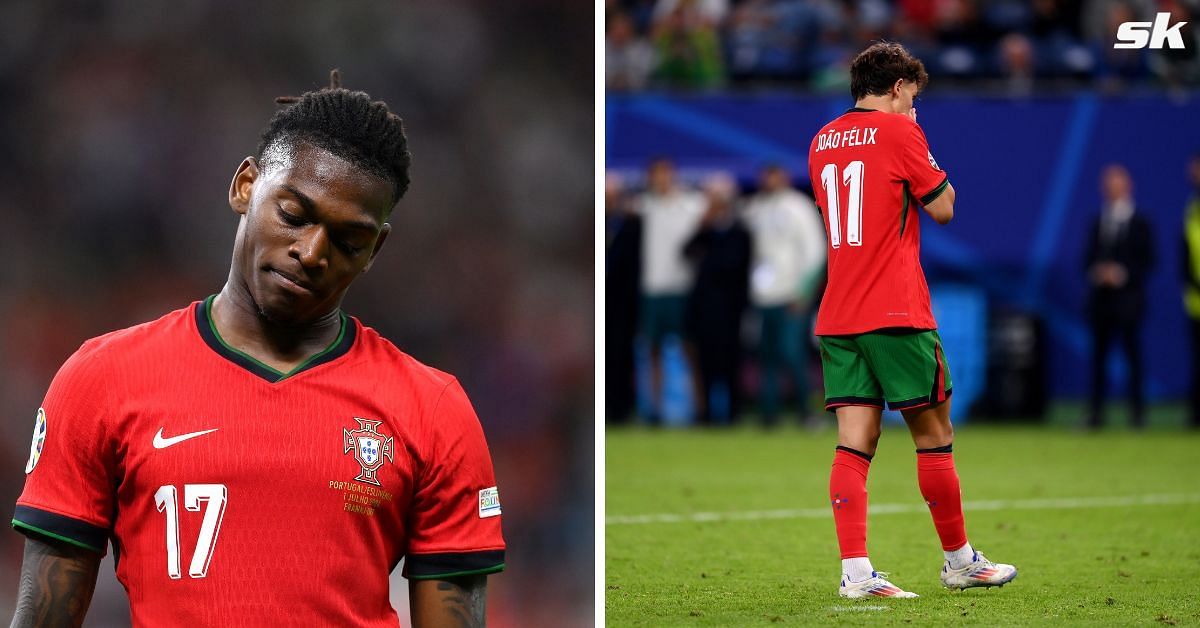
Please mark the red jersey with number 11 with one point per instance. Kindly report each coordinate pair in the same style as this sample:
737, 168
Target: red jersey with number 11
869, 169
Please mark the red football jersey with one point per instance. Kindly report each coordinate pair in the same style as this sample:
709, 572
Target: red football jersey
235, 495
869, 169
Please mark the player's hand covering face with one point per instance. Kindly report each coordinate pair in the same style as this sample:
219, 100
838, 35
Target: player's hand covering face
309, 227
904, 97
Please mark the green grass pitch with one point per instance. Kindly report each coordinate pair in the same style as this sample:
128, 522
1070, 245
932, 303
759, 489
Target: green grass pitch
1102, 528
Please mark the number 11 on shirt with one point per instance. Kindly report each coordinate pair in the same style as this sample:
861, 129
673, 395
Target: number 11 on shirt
851, 177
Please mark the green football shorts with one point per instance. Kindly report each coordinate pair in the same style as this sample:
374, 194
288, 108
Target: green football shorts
663, 316
907, 368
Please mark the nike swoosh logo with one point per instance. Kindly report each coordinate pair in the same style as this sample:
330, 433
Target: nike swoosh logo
163, 443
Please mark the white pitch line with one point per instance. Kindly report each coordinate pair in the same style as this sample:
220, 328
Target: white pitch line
857, 608
1061, 503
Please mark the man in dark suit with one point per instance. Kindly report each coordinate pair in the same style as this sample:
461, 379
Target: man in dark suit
622, 270
1120, 253
720, 251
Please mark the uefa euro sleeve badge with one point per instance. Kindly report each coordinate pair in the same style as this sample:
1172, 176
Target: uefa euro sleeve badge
369, 447
39, 439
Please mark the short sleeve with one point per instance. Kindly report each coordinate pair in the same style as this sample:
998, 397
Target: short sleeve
70, 483
926, 180
454, 523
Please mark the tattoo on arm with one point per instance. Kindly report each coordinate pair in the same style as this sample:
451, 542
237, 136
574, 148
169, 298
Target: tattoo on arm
450, 603
465, 603
57, 581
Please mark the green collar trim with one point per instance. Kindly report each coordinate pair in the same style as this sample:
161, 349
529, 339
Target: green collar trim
208, 332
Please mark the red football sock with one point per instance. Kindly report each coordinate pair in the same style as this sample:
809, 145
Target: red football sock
939, 486
848, 496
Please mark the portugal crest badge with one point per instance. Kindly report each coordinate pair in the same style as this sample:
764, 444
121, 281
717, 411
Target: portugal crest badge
369, 447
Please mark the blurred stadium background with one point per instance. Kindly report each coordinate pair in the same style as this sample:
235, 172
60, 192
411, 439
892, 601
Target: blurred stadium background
1028, 101
122, 123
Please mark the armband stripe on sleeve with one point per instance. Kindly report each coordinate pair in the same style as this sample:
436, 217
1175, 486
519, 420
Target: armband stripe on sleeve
935, 192
36, 522
431, 566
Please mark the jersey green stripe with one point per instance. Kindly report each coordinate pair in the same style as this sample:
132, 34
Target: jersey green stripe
904, 211
336, 341
216, 334
455, 574
213, 326
22, 524
935, 192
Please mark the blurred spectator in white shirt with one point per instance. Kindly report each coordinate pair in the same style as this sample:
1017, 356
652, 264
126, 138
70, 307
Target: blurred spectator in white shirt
628, 58
670, 215
789, 258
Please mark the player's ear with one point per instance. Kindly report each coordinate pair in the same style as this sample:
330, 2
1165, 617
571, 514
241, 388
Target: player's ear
242, 185
897, 88
383, 234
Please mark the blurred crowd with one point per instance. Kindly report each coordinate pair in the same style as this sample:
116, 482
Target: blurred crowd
1007, 46
720, 275
123, 122
731, 281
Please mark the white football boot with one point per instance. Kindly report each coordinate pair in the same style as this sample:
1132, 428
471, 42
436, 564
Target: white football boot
875, 586
981, 572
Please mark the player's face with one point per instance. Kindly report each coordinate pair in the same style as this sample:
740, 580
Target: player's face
309, 227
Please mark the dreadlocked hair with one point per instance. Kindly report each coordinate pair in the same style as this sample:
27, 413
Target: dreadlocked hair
345, 123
